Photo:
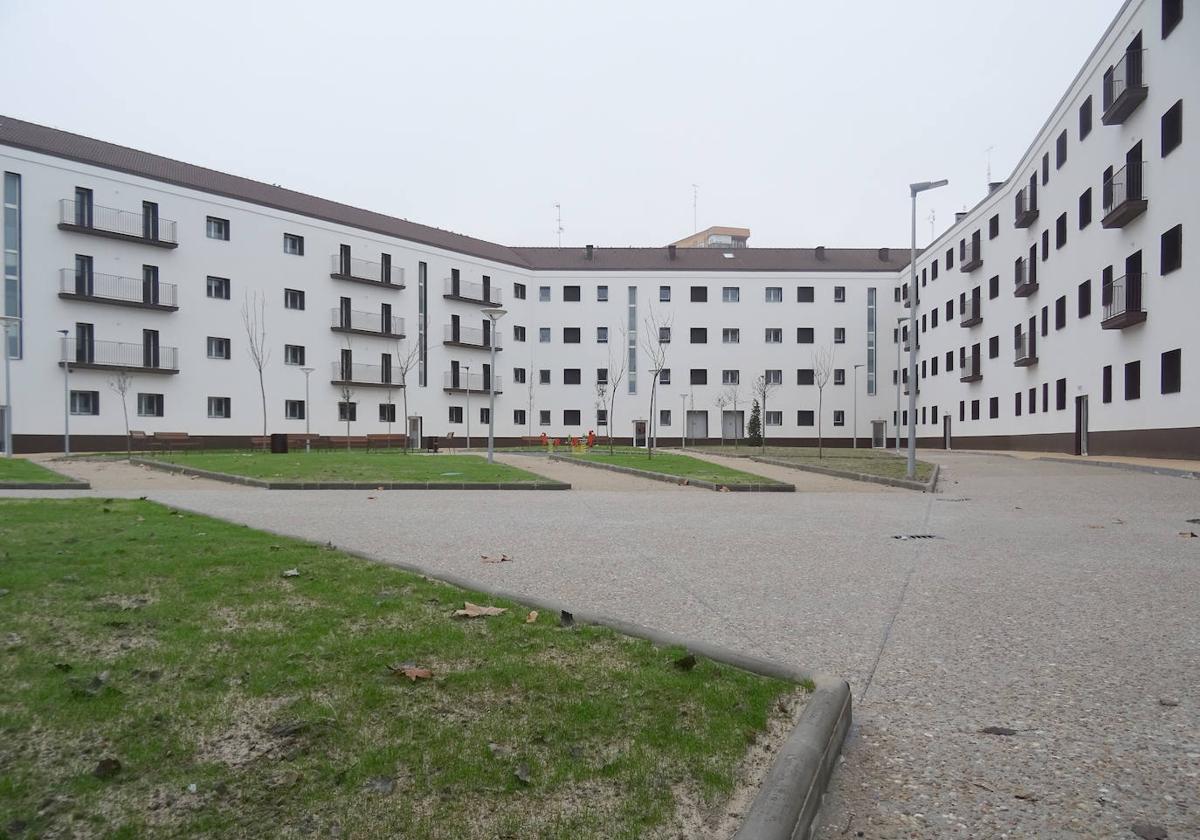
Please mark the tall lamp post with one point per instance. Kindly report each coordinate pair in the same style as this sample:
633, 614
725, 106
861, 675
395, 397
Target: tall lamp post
856, 367
914, 191
66, 394
6, 321
307, 371
683, 419
900, 320
467, 368
495, 315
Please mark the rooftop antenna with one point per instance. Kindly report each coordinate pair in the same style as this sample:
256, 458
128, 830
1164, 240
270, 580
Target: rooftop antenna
559, 229
989, 166
695, 205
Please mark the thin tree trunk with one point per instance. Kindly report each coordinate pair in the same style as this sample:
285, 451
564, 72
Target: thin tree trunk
820, 420
128, 437
262, 389
407, 442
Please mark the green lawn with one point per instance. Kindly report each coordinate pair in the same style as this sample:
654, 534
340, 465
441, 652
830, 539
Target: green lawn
25, 471
869, 461
671, 463
239, 702
355, 465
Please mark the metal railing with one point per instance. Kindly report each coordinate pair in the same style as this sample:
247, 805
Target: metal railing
114, 287
1123, 295
374, 272
1025, 273
470, 381
969, 255
473, 291
1125, 74
970, 310
1026, 201
1124, 185
471, 335
110, 220
1025, 347
374, 322
970, 369
365, 374
121, 354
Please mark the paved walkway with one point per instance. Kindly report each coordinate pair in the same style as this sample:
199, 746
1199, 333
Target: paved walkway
805, 482
1059, 601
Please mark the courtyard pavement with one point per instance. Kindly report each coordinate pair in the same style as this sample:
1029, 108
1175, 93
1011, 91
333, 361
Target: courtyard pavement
1060, 601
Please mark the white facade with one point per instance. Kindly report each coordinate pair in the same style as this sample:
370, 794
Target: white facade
255, 262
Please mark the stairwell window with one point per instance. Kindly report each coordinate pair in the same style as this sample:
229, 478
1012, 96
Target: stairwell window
217, 228
293, 244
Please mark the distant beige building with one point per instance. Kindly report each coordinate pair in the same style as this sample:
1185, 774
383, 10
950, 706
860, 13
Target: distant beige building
716, 237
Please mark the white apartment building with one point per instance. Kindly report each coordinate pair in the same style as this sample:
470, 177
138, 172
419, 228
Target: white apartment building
1062, 302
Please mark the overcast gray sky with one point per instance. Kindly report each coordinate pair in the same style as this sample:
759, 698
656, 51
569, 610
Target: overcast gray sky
803, 121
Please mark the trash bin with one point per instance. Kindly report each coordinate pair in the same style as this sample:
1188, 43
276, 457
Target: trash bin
279, 444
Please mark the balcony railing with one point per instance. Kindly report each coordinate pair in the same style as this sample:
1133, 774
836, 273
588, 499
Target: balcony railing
120, 355
970, 371
1123, 302
971, 257
1025, 278
1026, 206
1124, 196
1025, 353
110, 288
373, 323
374, 376
470, 382
971, 312
1123, 88
365, 271
470, 336
85, 217
473, 292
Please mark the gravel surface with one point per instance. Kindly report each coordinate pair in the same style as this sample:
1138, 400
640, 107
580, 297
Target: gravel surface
1060, 601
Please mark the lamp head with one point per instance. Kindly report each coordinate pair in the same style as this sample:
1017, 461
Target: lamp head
495, 314
922, 186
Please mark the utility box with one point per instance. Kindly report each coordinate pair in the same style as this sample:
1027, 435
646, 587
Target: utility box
279, 444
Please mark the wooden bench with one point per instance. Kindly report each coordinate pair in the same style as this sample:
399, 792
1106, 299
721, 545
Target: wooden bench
166, 441
140, 441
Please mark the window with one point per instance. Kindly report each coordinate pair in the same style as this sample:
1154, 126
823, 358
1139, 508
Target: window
519, 376
602, 294
731, 294
773, 377
731, 377
839, 294
1045, 321
949, 260
1033, 400
1172, 128
994, 226
570, 335
993, 408
544, 376
699, 335
1045, 245
217, 228
664, 417
1045, 169
544, 294
993, 290
1171, 250
1060, 150
804, 335
348, 411
1060, 231
293, 244
773, 418
293, 409
804, 294
601, 376
485, 415
731, 335
933, 366
1060, 313
518, 332
1085, 208
1085, 118
664, 293
292, 299
1085, 299
839, 418
664, 335
699, 294
456, 413
150, 405
601, 416
1060, 395
387, 413
805, 376
218, 288
933, 319
571, 417
218, 348
518, 291
1133, 380
543, 418
571, 294
1172, 13
994, 347
974, 409
774, 294
1172, 369
1017, 404
602, 335
293, 354
949, 360
544, 335
518, 417
572, 376
805, 418
839, 335
220, 408
85, 402
839, 376
773, 335
664, 376
699, 376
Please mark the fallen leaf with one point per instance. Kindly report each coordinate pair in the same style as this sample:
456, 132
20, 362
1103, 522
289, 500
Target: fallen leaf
370, 498
998, 730
470, 610
106, 768
522, 774
723, 489
291, 573
1027, 797
1187, 534
532, 617
407, 669
686, 663
503, 558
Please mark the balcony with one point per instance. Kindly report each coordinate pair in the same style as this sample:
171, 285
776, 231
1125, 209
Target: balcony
366, 376
1123, 88
1025, 354
122, 356
972, 313
904, 299
474, 383
358, 322
84, 217
971, 257
362, 271
1025, 279
472, 337
472, 292
970, 370
117, 291
1026, 206
1124, 198
1123, 303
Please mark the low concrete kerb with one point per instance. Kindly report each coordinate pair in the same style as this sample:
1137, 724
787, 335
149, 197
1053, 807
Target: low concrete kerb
791, 795
45, 485
347, 485
1121, 465
923, 486
766, 487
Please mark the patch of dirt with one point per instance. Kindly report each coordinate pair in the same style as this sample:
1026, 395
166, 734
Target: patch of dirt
124, 602
117, 639
234, 621
253, 731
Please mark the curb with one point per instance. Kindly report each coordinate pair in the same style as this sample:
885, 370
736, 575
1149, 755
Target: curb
1118, 465
923, 486
775, 487
45, 485
791, 794
346, 485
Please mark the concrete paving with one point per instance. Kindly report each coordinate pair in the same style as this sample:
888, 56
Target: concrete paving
1059, 600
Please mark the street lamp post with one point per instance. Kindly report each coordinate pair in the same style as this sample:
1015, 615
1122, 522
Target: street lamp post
307, 409
7, 320
914, 190
66, 394
856, 367
495, 315
900, 320
467, 368
683, 419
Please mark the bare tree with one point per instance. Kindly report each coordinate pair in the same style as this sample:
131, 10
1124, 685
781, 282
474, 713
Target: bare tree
822, 362
120, 385
656, 352
720, 402
733, 396
254, 319
618, 365
347, 395
762, 389
406, 360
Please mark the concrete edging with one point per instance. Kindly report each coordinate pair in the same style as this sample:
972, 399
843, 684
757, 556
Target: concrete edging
773, 487
1119, 465
346, 485
45, 485
923, 486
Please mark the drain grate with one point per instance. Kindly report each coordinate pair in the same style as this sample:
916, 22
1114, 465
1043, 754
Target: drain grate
915, 537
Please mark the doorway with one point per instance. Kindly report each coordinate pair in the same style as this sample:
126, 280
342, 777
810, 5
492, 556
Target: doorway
639, 434
413, 439
697, 426
947, 438
878, 434
733, 425
1081, 425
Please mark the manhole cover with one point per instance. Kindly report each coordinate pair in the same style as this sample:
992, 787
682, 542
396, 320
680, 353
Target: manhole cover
915, 537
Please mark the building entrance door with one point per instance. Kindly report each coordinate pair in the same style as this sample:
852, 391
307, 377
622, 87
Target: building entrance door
733, 426
946, 436
639, 433
413, 440
1081, 425
878, 434
697, 425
